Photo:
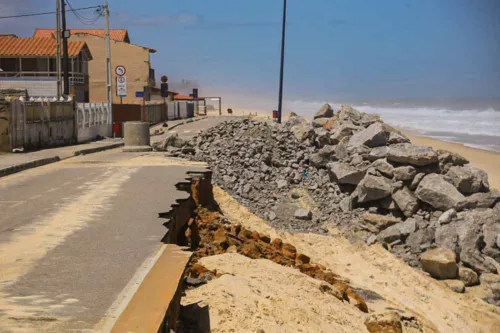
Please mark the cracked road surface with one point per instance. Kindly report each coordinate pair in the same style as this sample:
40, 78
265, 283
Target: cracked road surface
74, 234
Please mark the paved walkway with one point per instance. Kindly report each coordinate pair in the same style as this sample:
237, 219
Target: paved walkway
15, 162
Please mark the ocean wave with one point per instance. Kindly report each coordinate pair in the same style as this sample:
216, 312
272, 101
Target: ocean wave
422, 119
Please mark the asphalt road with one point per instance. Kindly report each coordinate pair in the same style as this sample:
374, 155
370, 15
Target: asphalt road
190, 130
75, 233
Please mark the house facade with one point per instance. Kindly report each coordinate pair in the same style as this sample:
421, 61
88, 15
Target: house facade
30, 64
136, 60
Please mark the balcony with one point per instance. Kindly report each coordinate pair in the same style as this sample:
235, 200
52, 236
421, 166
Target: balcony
74, 77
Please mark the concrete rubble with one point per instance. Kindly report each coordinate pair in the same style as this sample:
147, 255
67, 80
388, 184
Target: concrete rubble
346, 165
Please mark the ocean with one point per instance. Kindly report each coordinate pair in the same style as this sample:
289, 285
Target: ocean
472, 124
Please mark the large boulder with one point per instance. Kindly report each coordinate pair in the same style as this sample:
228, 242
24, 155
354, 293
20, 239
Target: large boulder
376, 223
367, 119
406, 201
344, 173
447, 237
322, 137
491, 285
375, 135
449, 157
438, 193
343, 131
409, 154
397, 137
399, 231
421, 237
303, 214
491, 234
405, 173
373, 188
384, 167
477, 240
384, 322
440, 263
482, 200
468, 180
468, 276
347, 113
172, 140
320, 122
377, 153
300, 128
326, 111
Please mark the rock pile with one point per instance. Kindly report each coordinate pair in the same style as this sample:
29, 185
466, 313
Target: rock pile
365, 177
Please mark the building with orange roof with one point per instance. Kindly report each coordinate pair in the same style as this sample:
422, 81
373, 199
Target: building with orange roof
30, 63
135, 58
119, 35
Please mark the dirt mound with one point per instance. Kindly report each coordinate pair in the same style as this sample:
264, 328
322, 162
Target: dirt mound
373, 268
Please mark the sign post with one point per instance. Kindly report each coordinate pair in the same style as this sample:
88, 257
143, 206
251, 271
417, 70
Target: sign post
121, 86
121, 82
164, 94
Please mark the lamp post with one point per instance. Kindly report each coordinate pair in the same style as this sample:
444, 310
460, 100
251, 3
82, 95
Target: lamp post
280, 102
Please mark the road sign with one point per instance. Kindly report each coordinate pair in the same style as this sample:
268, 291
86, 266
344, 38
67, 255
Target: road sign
164, 90
121, 86
120, 70
139, 94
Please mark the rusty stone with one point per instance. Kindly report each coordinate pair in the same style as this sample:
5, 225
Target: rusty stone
220, 238
277, 243
232, 249
250, 250
244, 233
302, 259
265, 238
289, 250
255, 236
356, 300
384, 322
330, 277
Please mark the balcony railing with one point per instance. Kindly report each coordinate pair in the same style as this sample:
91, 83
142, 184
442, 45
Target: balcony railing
74, 77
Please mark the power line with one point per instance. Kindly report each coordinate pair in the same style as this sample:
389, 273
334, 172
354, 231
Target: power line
48, 13
86, 20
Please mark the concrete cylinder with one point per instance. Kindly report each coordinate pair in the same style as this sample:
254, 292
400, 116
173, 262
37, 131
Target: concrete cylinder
136, 135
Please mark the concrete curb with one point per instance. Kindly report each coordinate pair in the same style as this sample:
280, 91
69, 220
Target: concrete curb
28, 165
184, 122
97, 149
48, 160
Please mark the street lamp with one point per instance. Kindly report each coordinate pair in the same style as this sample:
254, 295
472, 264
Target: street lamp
280, 102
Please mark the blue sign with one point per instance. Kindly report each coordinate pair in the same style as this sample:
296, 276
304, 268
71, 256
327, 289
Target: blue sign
139, 94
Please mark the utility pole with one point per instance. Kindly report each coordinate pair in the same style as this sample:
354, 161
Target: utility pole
58, 52
280, 103
65, 49
108, 62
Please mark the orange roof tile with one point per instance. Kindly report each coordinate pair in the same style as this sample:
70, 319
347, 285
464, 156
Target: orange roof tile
180, 97
37, 47
120, 35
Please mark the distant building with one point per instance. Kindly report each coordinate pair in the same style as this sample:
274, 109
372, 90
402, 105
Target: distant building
30, 63
136, 60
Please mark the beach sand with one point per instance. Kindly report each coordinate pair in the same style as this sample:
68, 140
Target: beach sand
488, 161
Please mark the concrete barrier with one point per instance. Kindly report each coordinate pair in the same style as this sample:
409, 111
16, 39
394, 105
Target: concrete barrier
136, 135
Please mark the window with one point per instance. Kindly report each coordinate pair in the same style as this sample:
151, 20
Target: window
29, 65
9, 64
53, 67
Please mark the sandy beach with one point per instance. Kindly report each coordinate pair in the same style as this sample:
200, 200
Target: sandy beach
488, 161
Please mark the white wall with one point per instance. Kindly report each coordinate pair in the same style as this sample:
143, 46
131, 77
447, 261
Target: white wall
93, 121
36, 87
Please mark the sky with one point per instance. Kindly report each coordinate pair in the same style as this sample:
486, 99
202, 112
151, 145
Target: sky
335, 49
